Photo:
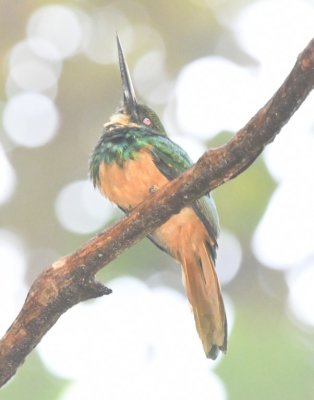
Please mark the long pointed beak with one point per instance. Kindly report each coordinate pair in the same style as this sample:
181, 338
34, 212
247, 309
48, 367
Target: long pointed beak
129, 98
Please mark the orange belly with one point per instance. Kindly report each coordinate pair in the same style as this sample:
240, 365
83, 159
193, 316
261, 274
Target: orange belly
130, 185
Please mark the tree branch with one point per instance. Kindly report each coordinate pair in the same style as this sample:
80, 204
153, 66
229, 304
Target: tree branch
71, 279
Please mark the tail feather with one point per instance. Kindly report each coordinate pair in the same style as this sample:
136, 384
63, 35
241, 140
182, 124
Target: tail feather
203, 291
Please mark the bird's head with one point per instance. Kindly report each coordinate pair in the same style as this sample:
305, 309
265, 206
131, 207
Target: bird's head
130, 112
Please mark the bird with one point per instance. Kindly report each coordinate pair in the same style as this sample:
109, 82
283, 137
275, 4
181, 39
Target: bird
134, 158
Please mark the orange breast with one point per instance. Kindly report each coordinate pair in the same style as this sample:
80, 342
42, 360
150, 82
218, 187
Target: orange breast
130, 185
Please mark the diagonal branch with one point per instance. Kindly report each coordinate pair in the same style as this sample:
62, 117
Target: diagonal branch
71, 279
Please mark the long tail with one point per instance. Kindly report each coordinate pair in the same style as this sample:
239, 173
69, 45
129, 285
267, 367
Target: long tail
203, 292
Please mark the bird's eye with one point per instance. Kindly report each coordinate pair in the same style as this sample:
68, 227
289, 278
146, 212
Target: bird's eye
147, 121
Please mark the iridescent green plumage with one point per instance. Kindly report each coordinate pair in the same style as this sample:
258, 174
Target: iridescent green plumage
123, 143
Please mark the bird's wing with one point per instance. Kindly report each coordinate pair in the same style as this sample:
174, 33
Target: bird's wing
172, 160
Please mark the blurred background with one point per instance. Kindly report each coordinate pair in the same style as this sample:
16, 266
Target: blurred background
205, 66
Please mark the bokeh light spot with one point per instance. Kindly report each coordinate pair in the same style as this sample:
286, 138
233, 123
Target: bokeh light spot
12, 288
44, 49
284, 236
33, 66
229, 257
81, 209
7, 178
35, 49
289, 146
33, 75
58, 24
210, 89
271, 41
30, 119
301, 294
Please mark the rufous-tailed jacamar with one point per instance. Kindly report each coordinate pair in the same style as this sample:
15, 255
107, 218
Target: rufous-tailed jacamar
133, 158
